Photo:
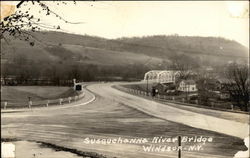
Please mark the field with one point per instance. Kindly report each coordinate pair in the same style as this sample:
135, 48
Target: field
17, 95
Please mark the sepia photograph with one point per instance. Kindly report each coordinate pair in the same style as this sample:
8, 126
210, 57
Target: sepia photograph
124, 79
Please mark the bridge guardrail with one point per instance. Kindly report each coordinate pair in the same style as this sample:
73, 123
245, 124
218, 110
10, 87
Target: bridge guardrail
181, 101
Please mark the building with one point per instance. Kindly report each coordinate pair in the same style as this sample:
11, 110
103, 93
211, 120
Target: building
164, 88
223, 86
187, 86
218, 86
161, 76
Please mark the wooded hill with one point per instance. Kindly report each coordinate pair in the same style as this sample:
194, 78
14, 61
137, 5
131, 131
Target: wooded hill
130, 56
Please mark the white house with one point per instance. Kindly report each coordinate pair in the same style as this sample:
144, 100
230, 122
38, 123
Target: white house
161, 76
187, 86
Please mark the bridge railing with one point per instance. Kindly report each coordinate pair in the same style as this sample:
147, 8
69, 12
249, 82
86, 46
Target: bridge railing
217, 105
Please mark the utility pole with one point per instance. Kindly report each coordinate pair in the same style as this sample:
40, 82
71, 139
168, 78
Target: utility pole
179, 145
147, 84
186, 87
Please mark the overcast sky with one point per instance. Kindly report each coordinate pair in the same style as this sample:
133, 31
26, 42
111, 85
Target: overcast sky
128, 18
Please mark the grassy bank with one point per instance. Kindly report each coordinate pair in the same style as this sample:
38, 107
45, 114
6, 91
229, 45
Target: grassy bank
19, 95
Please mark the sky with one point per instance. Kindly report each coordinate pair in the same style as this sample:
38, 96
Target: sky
111, 19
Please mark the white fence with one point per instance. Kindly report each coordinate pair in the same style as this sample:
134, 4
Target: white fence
42, 103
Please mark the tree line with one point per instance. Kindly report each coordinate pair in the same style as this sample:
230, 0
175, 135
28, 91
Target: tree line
24, 72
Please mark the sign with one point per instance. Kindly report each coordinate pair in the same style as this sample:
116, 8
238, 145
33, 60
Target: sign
78, 87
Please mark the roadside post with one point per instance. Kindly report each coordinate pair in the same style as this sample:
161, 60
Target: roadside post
5, 104
60, 101
30, 102
47, 103
69, 99
232, 106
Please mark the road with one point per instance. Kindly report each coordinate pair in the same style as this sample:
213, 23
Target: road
113, 114
192, 119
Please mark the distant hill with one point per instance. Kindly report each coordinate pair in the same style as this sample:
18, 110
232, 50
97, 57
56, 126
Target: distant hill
211, 49
153, 49
58, 47
58, 55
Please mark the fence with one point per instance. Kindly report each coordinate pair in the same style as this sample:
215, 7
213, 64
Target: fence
179, 100
42, 103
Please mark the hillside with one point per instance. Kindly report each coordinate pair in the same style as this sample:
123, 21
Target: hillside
209, 50
98, 50
57, 52
58, 47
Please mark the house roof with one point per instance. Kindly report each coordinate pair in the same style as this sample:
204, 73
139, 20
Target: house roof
189, 81
161, 71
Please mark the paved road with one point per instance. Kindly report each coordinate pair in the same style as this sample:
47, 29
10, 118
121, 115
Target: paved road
111, 115
193, 119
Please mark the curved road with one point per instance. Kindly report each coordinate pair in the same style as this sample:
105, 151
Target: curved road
115, 114
163, 111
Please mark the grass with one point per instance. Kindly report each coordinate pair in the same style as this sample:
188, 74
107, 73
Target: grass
19, 94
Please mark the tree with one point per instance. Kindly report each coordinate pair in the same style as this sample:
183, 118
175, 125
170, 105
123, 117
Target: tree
238, 86
22, 23
184, 64
205, 88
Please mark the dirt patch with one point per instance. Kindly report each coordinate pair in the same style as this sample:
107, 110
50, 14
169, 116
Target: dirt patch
31, 149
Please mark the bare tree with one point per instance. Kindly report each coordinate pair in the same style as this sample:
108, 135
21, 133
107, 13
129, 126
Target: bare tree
22, 23
184, 65
238, 87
